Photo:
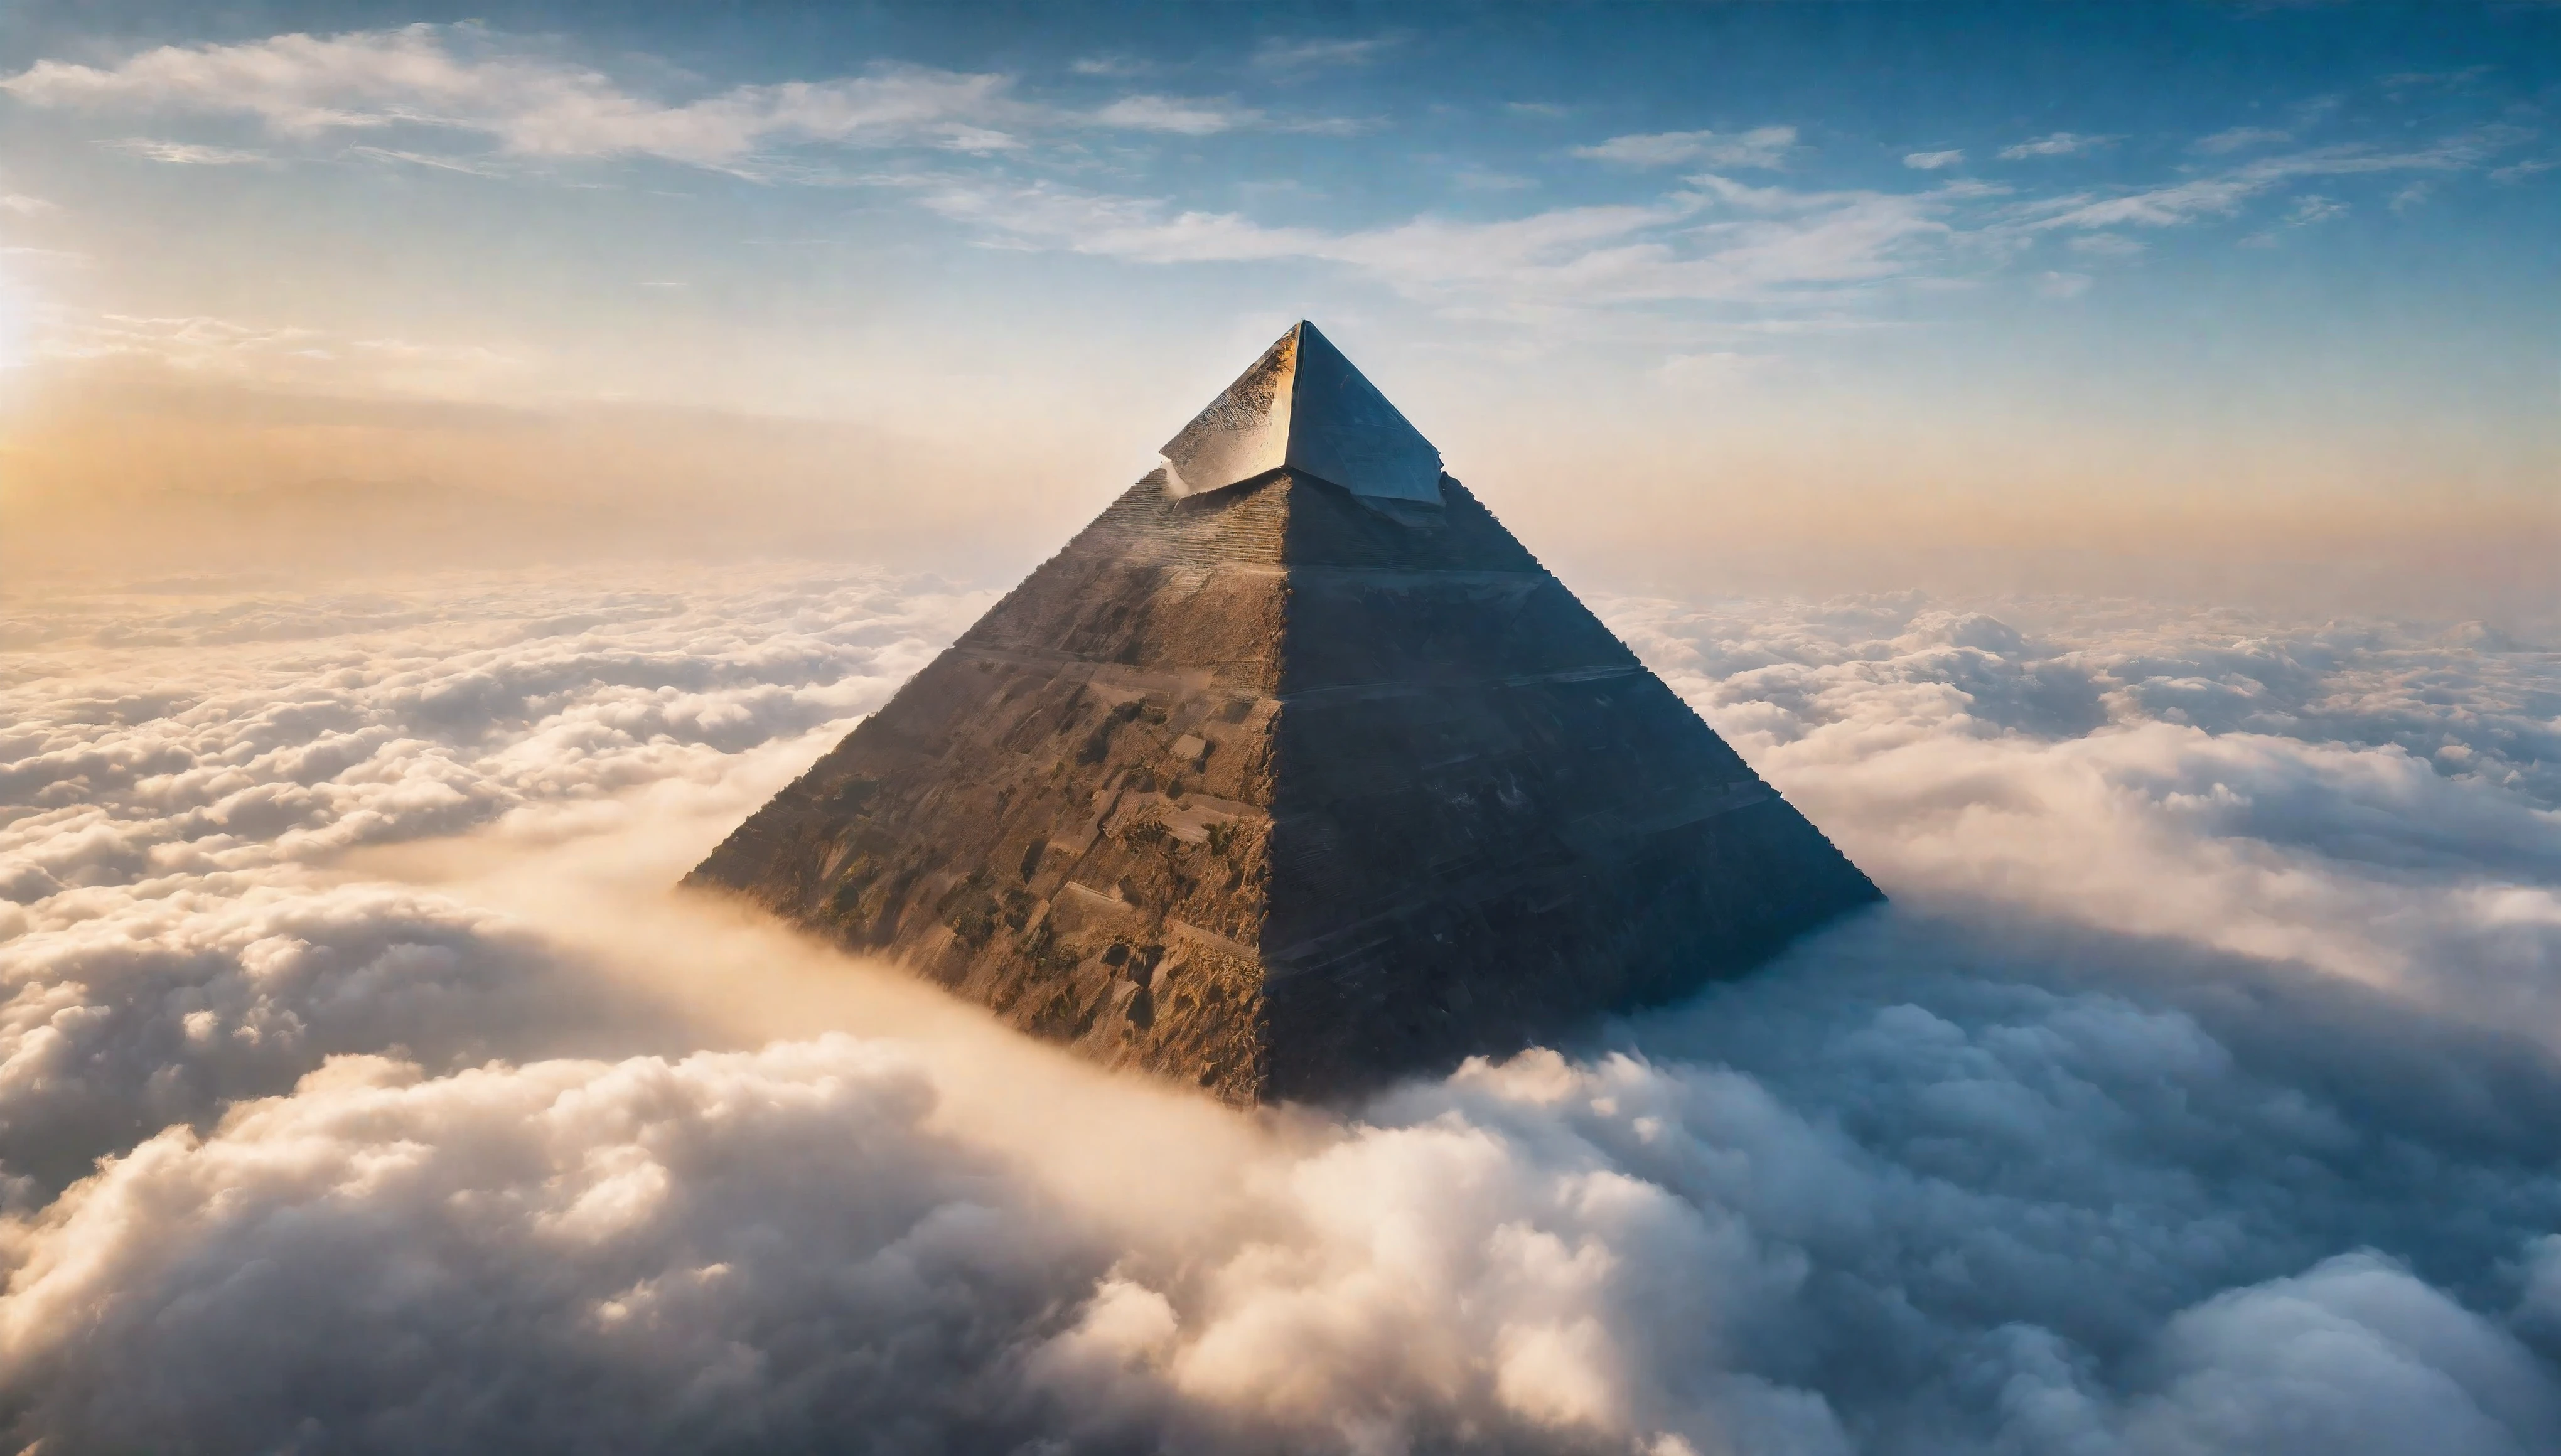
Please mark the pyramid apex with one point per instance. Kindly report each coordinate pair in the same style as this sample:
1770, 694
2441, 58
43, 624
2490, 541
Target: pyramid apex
1305, 406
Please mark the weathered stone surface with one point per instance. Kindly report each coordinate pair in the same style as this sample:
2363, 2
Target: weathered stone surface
1282, 791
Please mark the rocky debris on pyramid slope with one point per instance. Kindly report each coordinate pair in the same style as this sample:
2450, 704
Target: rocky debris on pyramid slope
1284, 789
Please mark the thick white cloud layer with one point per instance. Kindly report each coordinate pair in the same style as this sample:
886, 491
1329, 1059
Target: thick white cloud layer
361, 1089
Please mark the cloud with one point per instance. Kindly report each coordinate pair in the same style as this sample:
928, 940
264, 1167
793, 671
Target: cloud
1544, 111
2051, 284
1932, 161
1165, 113
2398, 1364
2308, 211
1713, 371
428, 80
1725, 240
1715, 238
2519, 171
2055, 144
1762, 146
462, 78
1315, 53
186, 153
423, 159
2220, 733
286, 355
2198, 1091
2224, 194
2415, 80
2107, 244
2239, 137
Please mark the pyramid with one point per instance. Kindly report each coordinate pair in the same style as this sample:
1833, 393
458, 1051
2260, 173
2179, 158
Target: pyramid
1292, 773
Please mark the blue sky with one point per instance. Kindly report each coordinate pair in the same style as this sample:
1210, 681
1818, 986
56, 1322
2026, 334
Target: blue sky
1986, 266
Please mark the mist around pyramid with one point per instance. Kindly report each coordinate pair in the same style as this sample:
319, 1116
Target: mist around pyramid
1292, 773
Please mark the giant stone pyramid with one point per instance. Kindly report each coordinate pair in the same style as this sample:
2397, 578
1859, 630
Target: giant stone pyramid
1292, 773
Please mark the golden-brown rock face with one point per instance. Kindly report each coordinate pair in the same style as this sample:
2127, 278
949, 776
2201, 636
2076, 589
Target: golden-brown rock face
1283, 790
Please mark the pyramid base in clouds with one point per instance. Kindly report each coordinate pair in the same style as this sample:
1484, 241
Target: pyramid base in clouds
1284, 791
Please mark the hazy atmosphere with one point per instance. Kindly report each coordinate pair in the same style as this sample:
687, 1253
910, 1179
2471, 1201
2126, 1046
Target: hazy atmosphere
2101, 464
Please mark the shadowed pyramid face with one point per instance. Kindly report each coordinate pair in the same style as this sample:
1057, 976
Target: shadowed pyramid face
1292, 772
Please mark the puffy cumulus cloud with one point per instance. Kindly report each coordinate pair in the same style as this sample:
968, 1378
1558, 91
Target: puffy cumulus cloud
770, 1249
2039, 1221
2196, 1094
165, 1010
2353, 1355
2374, 801
762, 1251
172, 735
180, 772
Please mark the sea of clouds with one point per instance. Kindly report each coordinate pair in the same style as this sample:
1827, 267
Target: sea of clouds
362, 1088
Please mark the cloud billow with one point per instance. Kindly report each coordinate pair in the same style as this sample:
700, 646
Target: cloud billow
2196, 1094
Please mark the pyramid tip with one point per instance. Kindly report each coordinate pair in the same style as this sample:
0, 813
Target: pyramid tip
1311, 410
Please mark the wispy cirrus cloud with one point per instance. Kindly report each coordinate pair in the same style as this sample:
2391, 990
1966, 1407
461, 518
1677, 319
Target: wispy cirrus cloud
1715, 240
1183, 117
1113, 65
1762, 146
467, 82
1199, 116
460, 78
428, 160
2312, 208
2403, 81
2054, 144
2309, 211
2223, 194
187, 153
2108, 245
281, 356
1932, 161
1314, 53
2240, 137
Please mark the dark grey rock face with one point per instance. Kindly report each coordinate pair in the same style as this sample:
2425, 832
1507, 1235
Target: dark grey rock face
1284, 791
